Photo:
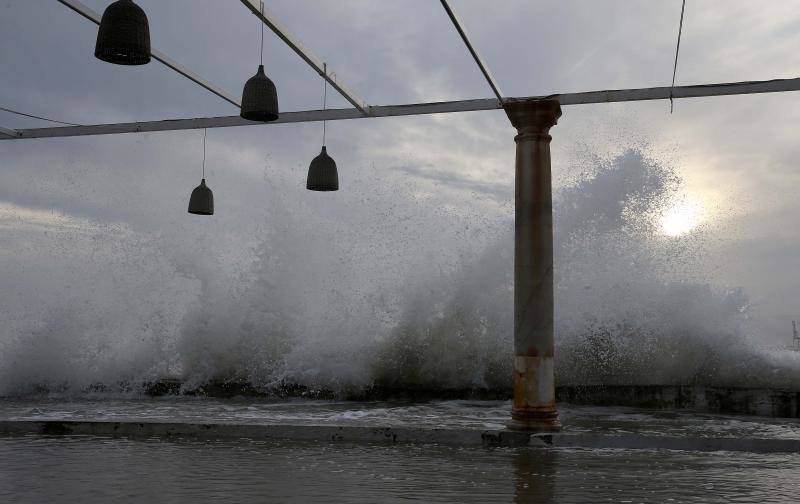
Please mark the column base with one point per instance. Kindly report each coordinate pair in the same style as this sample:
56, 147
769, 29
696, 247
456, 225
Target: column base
534, 407
538, 422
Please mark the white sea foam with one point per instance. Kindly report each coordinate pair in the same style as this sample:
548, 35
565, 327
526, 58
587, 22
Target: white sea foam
386, 282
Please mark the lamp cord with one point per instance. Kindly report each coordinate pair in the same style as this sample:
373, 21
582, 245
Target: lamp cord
205, 132
677, 49
324, 98
262, 33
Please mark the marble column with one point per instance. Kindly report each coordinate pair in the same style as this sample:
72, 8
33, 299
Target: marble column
534, 384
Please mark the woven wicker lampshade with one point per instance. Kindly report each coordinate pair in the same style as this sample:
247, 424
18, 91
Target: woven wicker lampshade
202, 200
124, 35
322, 174
259, 98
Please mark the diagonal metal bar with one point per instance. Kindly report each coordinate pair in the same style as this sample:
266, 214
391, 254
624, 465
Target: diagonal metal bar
196, 78
475, 55
93, 16
8, 133
319, 66
608, 96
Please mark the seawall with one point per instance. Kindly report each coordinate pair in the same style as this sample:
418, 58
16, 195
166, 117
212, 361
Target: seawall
391, 436
702, 399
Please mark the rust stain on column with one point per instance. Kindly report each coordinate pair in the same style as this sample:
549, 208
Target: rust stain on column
534, 387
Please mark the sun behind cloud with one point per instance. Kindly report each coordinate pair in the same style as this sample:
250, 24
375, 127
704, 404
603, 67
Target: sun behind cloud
682, 217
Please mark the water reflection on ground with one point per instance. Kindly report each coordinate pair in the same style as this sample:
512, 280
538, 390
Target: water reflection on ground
94, 469
477, 415
100, 470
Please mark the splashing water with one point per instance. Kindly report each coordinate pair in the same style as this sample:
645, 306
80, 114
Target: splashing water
380, 285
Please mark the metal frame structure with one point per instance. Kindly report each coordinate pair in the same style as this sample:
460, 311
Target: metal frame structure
361, 108
474, 52
6, 133
590, 97
269, 19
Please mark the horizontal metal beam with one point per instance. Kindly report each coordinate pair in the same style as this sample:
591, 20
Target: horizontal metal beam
475, 55
269, 19
285, 117
609, 96
93, 16
664, 93
8, 133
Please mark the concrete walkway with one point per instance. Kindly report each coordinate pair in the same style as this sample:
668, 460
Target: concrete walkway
454, 423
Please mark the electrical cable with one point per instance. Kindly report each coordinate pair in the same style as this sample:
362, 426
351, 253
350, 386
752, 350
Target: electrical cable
324, 98
262, 34
37, 117
205, 132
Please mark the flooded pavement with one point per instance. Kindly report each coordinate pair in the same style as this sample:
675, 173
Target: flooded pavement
461, 415
35, 469
100, 469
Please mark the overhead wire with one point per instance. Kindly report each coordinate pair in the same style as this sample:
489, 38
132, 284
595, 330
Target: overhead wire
677, 50
37, 117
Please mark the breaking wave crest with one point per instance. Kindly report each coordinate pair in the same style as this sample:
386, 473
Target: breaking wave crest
380, 286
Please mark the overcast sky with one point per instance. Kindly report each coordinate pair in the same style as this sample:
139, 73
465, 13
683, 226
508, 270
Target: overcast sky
737, 156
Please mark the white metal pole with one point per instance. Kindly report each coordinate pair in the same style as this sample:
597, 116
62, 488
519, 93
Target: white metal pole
474, 52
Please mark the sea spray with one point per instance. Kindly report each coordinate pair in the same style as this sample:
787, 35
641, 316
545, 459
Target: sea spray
392, 284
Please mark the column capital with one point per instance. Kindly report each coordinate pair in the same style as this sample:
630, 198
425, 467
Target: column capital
533, 117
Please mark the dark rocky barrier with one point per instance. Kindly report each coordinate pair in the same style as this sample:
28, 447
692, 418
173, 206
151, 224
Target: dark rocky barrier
391, 436
780, 403
724, 400
721, 400
704, 399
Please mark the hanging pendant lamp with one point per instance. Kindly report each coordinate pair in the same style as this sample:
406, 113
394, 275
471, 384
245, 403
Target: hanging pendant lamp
259, 97
124, 35
322, 173
202, 200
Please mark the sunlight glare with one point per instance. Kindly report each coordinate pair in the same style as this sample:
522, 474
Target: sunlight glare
682, 217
